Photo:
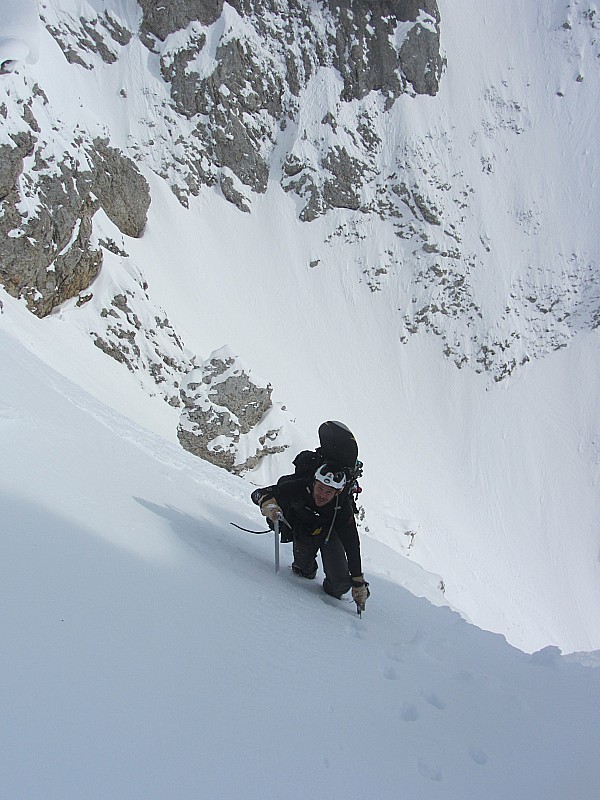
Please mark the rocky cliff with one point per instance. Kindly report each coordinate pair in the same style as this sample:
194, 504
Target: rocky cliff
227, 116
313, 97
233, 74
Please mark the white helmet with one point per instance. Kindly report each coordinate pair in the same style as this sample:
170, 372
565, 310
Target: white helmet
331, 476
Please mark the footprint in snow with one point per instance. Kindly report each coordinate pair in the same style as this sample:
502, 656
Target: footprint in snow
433, 700
479, 756
409, 712
420, 638
431, 771
395, 653
354, 629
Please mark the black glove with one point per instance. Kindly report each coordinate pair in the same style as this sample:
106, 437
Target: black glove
258, 495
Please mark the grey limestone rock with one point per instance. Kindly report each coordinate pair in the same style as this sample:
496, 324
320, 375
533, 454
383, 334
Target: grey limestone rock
421, 60
122, 190
364, 53
81, 39
11, 161
137, 334
47, 256
162, 18
225, 417
264, 63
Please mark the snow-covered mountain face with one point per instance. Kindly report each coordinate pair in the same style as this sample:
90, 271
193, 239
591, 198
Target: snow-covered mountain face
388, 210
224, 109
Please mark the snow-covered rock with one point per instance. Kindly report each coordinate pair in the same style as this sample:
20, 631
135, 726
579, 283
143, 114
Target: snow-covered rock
228, 417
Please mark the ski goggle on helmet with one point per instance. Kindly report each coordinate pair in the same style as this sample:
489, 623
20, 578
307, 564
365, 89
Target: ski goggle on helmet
330, 476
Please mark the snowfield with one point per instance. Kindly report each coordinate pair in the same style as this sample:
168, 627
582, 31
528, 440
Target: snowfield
492, 487
150, 650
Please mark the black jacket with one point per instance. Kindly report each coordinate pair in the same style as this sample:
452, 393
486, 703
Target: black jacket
296, 501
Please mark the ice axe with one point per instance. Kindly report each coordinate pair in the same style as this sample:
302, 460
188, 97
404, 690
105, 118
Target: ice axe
276, 531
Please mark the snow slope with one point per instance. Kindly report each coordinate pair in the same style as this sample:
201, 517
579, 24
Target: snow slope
492, 487
150, 650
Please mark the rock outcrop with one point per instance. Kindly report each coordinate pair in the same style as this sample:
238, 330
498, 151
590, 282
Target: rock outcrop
228, 416
236, 72
265, 58
47, 254
136, 333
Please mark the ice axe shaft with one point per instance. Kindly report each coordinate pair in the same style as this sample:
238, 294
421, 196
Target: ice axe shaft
276, 531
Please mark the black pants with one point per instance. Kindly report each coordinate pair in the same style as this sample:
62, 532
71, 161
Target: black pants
335, 564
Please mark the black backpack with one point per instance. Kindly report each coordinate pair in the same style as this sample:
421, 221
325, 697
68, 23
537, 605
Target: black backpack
338, 447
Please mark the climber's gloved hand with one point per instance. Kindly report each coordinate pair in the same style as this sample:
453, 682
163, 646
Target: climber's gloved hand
271, 510
360, 592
